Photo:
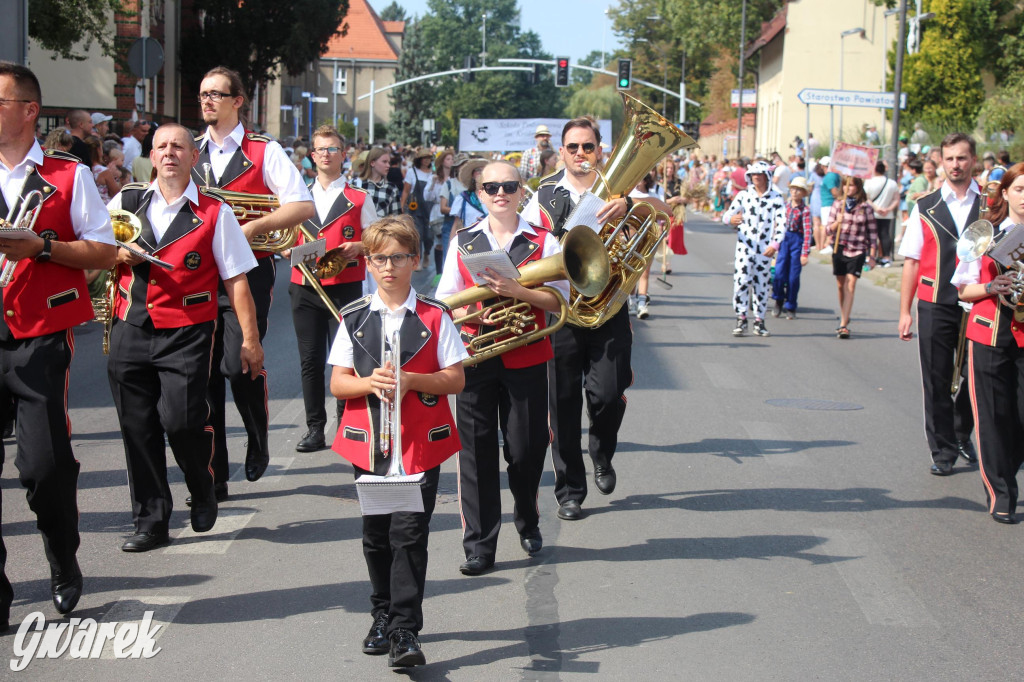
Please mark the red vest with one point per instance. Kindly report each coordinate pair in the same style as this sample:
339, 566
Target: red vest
428, 430
525, 248
991, 323
44, 298
187, 294
938, 251
344, 224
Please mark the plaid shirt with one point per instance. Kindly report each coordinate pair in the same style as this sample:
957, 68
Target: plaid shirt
385, 196
798, 219
529, 165
858, 232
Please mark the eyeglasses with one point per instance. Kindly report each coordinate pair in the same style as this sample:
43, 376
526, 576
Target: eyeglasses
510, 187
399, 260
326, 150
213, 95
588, 147
5, 102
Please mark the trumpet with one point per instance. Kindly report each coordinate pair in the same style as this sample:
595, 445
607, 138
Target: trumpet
583, 261
127, 228
248, 207
391, 413
25, 219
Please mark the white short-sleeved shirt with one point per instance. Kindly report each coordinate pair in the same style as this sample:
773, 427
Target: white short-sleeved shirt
413, 174
450, 349
231, 250
462, 207
324, 198
89, 217
913, 236
970, 272
279, 173
451, 277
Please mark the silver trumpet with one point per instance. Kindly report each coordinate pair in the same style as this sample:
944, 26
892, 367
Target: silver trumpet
391, 413
25, 219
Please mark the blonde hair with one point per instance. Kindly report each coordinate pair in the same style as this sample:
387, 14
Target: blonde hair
401, 228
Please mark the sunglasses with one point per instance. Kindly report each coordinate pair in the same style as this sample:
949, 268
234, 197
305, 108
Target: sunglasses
588, 147
510, 187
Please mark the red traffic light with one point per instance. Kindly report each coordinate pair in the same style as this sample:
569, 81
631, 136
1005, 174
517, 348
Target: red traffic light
562, 63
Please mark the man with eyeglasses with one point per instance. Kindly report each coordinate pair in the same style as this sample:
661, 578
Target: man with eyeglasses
342, 213
594, 360
45, 300
241, 161
514, 383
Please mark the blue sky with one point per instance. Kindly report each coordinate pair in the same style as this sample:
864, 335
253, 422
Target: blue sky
549, 19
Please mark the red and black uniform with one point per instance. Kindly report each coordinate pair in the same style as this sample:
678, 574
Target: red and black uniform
315, 325
515, 382
160, 350
996, 365
395, 545
947, 419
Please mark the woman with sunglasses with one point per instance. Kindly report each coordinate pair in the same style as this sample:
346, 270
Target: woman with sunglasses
515, 381
853, 235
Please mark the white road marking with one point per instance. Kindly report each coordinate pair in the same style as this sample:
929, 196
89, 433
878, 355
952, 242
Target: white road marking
132, 609
230, 522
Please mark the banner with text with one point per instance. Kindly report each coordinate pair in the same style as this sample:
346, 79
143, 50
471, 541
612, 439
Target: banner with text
852, 159
514, 134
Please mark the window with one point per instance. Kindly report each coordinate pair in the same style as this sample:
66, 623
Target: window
341, 83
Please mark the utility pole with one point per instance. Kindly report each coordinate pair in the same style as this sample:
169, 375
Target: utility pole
897, 89
739, 116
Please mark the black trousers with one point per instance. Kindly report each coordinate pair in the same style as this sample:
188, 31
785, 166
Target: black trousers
34, 372
315, 328
947, 419
395, 549
997, 390
597, 362
526, 443
885, 237
250, 393
158, 378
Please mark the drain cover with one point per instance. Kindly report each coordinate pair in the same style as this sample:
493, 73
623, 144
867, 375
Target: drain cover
809, 404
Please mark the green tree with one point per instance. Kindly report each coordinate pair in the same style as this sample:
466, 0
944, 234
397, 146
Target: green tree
68, 27
583, 77
256, 37
412, 102
393, 12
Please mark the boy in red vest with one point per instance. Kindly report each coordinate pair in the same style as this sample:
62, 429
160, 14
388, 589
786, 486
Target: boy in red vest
395, 545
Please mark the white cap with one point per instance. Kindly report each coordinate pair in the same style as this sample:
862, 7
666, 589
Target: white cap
98, 118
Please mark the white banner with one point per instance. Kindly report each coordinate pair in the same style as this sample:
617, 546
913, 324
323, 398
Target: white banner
513, 134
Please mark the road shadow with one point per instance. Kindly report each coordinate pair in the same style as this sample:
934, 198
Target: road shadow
735, 449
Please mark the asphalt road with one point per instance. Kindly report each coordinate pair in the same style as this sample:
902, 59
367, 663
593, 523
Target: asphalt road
774, 520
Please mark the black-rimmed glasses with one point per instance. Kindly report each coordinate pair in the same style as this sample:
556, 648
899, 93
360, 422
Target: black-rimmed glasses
399, 260
213, 95
326, 150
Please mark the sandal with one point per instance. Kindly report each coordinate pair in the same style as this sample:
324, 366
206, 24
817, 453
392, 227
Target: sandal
843, 333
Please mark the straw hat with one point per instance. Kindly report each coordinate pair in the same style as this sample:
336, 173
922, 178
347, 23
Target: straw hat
799, 183
460, 158
423, 153
466, 172
542, 130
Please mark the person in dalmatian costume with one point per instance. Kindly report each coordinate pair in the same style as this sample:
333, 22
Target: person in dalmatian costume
759, 215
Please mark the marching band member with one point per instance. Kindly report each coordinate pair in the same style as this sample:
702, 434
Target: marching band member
996, 359
594, 360
46, 299
342, 213
242, 161
516, 380
395, 545
162, 336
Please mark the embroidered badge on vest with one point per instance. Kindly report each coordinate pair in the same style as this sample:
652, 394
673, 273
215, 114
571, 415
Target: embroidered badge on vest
193, 260
49, 234
349, 232
428, 399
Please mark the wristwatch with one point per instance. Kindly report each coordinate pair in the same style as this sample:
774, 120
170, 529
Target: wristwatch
629, 203
44, 255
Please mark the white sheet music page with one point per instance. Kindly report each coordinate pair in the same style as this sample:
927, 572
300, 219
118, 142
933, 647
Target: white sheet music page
308, 253
498, 261
585, 212
387, 494
1010, 247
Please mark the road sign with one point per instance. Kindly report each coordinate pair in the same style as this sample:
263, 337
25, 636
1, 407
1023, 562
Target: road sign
851, 98
318, 99
145, 57
307, 94
749, 99
286, 107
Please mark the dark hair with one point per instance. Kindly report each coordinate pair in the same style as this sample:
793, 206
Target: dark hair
544, 156
1004, 157
1000, 208
587, 122
174, 124
147, 141
237, 88
880, 167
957, 138
24, 80
95, 146
916, 165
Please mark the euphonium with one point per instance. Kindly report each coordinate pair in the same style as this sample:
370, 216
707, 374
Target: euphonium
24, 219
248, 207
632, 242
583, 261
127, 228
328, 265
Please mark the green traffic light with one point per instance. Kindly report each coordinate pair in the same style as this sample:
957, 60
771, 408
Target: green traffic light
623, 83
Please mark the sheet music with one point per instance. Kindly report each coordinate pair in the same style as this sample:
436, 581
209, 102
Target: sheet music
308, 253
1010, 247
499, 261
387, 494
15, 232
585, 212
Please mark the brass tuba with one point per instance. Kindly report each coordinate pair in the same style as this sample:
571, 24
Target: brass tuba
583, 261
127, 228
248, 207
632, 242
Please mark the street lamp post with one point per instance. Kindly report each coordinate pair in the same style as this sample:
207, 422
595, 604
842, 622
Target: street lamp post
483, 54
885, 59
743, 46
842, 55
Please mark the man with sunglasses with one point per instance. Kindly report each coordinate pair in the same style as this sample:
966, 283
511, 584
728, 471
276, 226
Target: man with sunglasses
514, 383
595, 360
342, 213
241, 161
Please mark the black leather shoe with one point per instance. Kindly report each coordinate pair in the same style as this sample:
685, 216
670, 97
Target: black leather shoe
967, 452
143, 542
312, 441
1008, 519
942, 468
531, 541
570, 510
377, 642
475, 565
405, 650
604, 479
256, 462
66, 588
204, 516
220, 492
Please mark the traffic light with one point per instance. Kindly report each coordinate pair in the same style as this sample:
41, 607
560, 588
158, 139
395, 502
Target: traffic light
536, 75
692, 128
467, 75
562, 72
625, 74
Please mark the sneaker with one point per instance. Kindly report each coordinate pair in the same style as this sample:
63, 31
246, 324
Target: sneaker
777, 309
631, 304
641, 309
885, 263
741, 327
760, 329
790, 314
827, 251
